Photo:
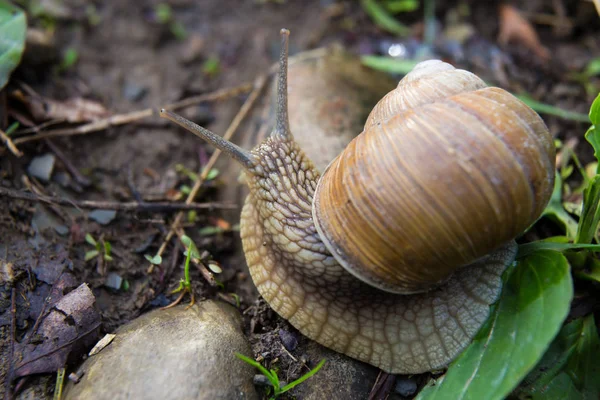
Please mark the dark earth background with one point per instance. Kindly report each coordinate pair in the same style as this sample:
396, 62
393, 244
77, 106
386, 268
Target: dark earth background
128, 60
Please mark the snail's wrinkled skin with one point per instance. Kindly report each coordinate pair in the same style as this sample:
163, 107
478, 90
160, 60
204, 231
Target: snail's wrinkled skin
302, 282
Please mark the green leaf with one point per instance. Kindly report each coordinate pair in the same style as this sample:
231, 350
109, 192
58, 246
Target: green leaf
210, 230
11, 128
178, 30
211, 66
389, 64
383, 19
91, 254
107, 247
593, 67
189, 244
595, 111
543, 108
69, 59
593, 134
555, 210
212, 174
590, 214
90, 239
399, 6
13, 28
569, 369
156, 259
534, 303
163, 13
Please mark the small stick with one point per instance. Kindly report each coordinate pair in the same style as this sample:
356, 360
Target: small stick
80, 179
9, 143
37, 190
162, 206
121, 119
246, 107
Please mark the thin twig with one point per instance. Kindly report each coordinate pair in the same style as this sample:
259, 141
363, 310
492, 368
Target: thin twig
37, 190
162, 206
246, 107
9, 143
79, 178
121, 119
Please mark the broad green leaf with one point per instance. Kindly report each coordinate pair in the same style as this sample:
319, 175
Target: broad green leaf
590, 214
569, 369
389, 64
534, 303
383, 19
13, 27
543, 108
557, 212
156, 259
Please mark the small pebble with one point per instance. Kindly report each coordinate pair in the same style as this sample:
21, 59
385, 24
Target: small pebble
113, 281
288, 339
134, 92
261, 380
103, 217
405, 387
61, 230
41, 167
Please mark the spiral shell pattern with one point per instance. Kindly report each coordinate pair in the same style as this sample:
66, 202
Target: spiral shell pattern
445, 171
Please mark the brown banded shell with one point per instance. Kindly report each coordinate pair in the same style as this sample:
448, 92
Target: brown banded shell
446, 171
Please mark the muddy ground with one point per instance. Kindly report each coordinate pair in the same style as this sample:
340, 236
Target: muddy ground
128, 60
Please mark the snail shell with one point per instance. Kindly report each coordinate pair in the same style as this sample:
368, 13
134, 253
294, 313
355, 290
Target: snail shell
446, 171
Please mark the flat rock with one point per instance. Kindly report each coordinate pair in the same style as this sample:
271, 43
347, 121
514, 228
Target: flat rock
340, 378
172, 354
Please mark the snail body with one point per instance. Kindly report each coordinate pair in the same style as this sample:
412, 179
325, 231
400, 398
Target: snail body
338, 255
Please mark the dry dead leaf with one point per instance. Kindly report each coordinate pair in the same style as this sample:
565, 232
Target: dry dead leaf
515, 28
68, 326
74, 110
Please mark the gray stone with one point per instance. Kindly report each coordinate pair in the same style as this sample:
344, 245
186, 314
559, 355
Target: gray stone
113, 281
172, 354
405, 386
340, 378
41, 167
103, 217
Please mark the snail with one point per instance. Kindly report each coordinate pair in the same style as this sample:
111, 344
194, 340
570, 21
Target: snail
394, 254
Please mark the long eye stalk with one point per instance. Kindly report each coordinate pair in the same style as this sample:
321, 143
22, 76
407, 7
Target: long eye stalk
237, 153
282, 125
